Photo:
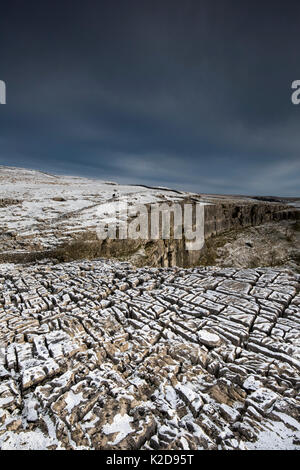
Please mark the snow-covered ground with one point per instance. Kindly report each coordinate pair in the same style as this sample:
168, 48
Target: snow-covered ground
49, 209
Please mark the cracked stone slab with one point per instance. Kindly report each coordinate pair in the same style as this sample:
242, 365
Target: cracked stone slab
102, 355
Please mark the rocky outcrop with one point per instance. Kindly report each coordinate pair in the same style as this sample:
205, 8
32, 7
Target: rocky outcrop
8, 202
100, 355
220, 218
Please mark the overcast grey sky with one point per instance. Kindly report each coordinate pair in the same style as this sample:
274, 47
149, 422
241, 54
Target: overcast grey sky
194, 95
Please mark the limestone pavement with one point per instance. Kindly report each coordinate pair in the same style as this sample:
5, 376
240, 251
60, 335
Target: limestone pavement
101, 355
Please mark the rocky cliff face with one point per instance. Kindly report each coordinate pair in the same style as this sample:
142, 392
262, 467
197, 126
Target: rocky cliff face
47, 216
227, 216
221, 221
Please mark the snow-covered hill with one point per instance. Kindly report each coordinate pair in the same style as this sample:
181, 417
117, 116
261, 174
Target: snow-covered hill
41, 210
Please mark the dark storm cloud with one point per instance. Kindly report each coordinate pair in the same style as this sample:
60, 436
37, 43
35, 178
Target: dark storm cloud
194, 95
